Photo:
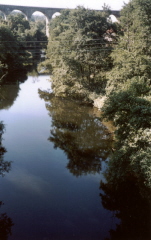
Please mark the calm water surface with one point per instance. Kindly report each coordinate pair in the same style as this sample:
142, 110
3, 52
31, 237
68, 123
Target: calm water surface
57, 151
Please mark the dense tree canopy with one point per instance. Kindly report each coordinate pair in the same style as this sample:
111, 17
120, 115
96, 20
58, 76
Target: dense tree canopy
129, 87
20, 44
30, 34
12, 55
79, 52
20, 41
18, 23
128, 105
86, 63
132, 55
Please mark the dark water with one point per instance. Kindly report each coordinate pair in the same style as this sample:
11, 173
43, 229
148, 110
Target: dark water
53, 156
57, 151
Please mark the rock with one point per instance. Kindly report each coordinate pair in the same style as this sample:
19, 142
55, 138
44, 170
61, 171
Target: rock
99, 102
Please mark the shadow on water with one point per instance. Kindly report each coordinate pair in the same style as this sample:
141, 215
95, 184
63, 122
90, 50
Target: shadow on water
82, 136
10, 86
5, 225
130, 200
16, 77
5, 166
87, 142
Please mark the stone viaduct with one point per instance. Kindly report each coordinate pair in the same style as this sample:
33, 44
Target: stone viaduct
28, 11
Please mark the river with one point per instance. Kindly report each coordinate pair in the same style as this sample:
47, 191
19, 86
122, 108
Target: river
57, 151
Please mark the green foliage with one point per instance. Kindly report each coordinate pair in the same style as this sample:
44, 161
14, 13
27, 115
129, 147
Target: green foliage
132, 55
18, 23
10, 48
131, 115
79, 52
129, 112
35, 41
18, 44
129, 89
30, 34
38, 22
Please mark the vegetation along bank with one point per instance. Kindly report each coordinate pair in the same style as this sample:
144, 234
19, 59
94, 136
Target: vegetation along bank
91, 58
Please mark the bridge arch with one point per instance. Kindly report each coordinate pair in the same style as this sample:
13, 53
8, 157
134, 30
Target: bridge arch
40, 13
18, 12
56, 14
3, 15
113, 18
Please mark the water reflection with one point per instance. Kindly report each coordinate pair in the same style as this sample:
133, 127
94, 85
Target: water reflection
16, 77
9, 88
5, 225
8, 95
34, 73
130, 201
76, 130
5, 166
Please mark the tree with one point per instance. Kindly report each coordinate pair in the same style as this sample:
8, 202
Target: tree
18, 23
132, 55
129, 87
35, 41
29, 34
12, 55
38, 21
79, 52
131, 115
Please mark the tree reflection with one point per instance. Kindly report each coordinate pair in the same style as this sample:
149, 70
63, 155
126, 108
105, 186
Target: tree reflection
81, 135
9, 88
5, 221
130, 200
9, 93
5, 166
5, 225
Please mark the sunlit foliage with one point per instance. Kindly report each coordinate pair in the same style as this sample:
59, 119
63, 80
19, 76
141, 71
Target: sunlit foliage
79, 52
129, 87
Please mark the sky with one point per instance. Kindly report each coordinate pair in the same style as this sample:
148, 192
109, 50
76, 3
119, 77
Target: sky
91, 4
